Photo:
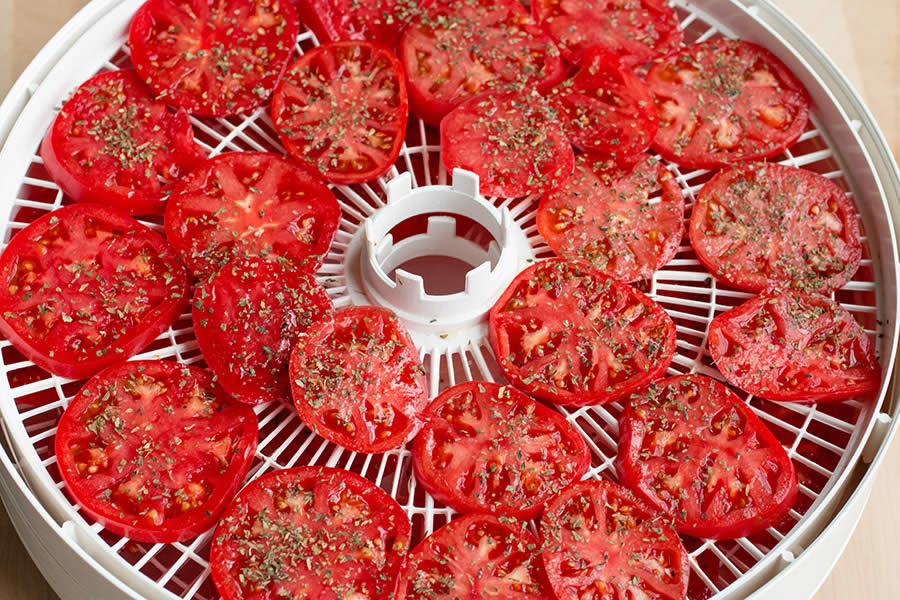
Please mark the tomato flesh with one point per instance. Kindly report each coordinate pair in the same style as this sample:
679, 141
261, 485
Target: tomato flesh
381, 21
154, 450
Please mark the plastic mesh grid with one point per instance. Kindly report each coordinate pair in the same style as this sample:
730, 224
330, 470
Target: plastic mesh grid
816, 436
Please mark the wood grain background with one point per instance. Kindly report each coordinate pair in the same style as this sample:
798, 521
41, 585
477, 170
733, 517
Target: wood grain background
859, 35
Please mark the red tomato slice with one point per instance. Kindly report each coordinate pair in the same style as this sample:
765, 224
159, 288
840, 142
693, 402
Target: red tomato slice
637, 30
603, 217
457, 49
310, 532
247, 319
357, 380
785, 345
86, 286
381, 21
492, 449
213, 57
251, 204
512, 142
600, 541
762, 224
605, 107
342, 109
577, 337
725, 101
693, 449
154, 450
113, 144
478, 557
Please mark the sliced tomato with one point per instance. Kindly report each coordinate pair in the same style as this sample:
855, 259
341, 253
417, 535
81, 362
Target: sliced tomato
693, 449
490, 448
638, 30
603, 217
478, 557
113, 144
381, 21
247, 319
766, 224
154, 450
724, 101
578, 337
357, 380
251, 204
342, 109
786, 345
600, 541
458, 49
512, 142
311, 532
213, 57
86, 286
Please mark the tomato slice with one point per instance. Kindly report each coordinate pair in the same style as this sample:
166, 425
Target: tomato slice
725, 101
693, 449
86, 286
600, 541
605, 107
247, 318
478, 557
357, 380
251, 204
113, 144
766, 224
381, 21
638, 30
604, 218
458, 49
154, 450
213, 57
512, 142
310, 532
490, 448
575, 336
342, 109
791, 346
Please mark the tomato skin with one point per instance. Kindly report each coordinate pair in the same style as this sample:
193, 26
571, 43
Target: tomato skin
381, 21
765, 224
364, 542
331, 104
555, 311
105, 110
488, 448
137, 288
791, 346
688, 441
121, 413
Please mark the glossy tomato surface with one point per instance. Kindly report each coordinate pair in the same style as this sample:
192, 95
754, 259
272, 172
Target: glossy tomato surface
86, 286
251, 204
381, 21
766, 224
458, 49
154, 450
311, 532
624, 220
342, 108
578, 337
114, 144
601, 541
490, 448
693, 449
478, 557
213, 57
791, 346
512, 142
725, 101
247, 319
357, 380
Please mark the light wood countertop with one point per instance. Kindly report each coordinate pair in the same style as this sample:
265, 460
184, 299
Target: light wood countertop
861, 36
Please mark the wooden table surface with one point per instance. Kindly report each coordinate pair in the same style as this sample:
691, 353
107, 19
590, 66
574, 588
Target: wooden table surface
860, 35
